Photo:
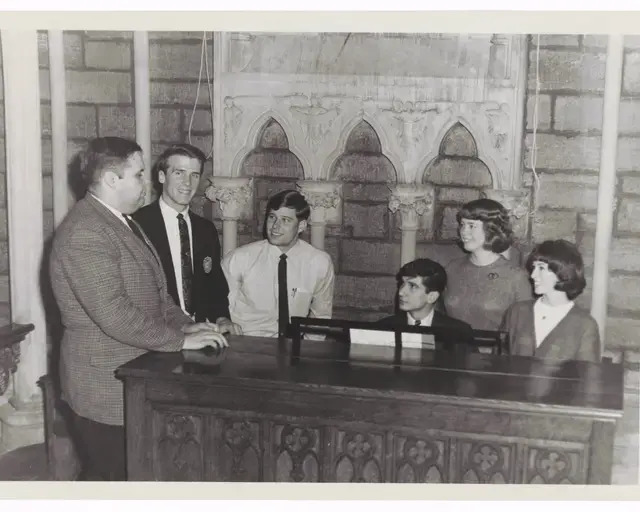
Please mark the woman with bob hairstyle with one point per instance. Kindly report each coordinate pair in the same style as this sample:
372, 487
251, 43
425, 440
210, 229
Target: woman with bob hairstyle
552, 326
483, 283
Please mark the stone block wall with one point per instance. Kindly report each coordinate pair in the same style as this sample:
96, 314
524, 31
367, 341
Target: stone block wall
570, 76
100, 94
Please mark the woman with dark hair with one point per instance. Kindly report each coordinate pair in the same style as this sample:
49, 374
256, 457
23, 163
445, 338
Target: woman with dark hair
553, 327
483, 284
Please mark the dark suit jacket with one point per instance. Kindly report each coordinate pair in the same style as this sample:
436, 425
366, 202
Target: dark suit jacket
461, 330
209, 291
114, 303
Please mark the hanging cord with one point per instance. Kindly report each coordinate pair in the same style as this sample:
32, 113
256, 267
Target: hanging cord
204, 63
534, 148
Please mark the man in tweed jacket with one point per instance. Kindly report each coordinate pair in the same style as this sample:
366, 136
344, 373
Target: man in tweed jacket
113, 300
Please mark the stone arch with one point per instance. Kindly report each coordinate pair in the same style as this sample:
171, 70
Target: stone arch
461, 127
345, 143
457, 162
362, 146
255, 134
458, 174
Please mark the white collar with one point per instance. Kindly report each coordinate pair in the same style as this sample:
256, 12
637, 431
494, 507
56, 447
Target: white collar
113, 210
427, 320
547, 311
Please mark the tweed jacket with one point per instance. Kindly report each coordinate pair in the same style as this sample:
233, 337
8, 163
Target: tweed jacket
576, 337
209, 291
114, 307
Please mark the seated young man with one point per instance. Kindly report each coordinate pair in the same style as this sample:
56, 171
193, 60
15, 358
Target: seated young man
420, 284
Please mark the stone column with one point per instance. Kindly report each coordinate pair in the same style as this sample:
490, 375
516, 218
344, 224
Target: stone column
22, 419
607, 180
518, 203
415, 204
325, 200
235, 197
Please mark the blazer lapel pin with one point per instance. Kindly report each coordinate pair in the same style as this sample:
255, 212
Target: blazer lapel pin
207, 264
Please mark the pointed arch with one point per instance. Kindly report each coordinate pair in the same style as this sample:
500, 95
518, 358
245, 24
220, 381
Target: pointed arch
253, 139
341, 146
481, 154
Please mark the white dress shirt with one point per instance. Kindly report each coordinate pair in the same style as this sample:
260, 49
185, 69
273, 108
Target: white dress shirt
252, 274
426, 321
427, 341
170, 217
546, 317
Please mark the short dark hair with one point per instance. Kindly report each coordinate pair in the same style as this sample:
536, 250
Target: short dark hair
287, 199
565, 261
495, 222
105, 153
182, 149
434, 276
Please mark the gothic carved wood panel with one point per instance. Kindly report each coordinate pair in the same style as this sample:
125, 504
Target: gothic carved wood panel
420, 459
485, 462
178, 455
238, 455
554, 465
358, 457
297, 452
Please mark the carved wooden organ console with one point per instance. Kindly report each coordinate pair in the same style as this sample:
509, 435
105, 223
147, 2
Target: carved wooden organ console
252, 413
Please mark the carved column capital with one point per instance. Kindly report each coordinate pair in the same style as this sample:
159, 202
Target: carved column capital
412, 201
324, 198
234, 195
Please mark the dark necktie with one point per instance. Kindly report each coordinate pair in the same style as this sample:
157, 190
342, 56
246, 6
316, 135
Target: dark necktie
417, 323
283, 297
185, 257
136, 230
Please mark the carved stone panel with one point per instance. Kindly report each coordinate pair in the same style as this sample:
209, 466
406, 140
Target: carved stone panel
358, 457
178, 455
318, 87
554, 465
296, 453
238, 450
485, 462
420, 459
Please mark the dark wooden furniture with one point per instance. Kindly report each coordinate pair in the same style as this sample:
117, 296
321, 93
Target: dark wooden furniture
254, 413
62, 459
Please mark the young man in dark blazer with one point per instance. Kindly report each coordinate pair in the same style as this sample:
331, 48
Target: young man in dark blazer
420, 284
187, 243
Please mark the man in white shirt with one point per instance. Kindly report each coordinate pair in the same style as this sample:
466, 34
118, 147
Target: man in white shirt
187, 243
281, 276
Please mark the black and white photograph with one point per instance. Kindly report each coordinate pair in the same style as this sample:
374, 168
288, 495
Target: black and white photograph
319, 256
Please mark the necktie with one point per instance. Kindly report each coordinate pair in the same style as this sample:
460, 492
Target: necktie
417, 322
283, 297
136, 230
185, 257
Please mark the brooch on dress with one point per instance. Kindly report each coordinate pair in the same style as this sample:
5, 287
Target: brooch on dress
207, 264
